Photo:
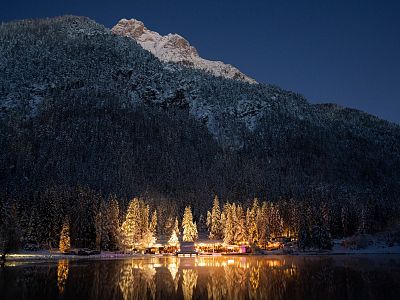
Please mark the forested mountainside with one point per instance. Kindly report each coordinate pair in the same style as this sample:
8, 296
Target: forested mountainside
84, 109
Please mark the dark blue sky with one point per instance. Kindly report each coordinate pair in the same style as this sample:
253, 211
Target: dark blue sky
346, 52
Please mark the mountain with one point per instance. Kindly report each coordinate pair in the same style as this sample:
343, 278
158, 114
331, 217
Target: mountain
83, 106
174, 48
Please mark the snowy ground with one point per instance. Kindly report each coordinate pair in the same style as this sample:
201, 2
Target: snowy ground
367, 244
358, 244
55, 255
376, 248
338, 249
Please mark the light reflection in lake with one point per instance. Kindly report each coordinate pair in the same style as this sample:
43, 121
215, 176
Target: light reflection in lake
62, 274
227, 277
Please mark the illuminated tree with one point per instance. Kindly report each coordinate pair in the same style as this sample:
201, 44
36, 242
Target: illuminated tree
176, 227
62, 274
234, 224
153, 223
189, 283
130, 229
263, 224
189, 227
65, 241
228, 224
173, 240
214, 221
136, 231
239, 225
252, 223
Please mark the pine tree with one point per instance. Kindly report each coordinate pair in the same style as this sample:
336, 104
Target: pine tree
113, 224
214, 220
98, 225
168, 226
65, 241
32, 232
363, 221
189, 228
304, 238
239, 225
131, 226
136, 231
228, 221
202, 227
173, 240
9, 229
320, 238
176, 227
252, 216
101, 219
263, 224
275, 221
153, 223
325, 214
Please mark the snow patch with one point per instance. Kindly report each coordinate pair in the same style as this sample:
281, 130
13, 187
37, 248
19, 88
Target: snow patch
175, 48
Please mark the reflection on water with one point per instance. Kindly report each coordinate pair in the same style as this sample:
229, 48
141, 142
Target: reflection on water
230, 277
137, 280
62, 274
189, 282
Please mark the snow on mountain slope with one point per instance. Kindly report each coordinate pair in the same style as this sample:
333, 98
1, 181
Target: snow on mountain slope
174, 48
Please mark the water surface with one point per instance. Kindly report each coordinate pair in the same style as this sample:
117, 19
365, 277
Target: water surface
229, 277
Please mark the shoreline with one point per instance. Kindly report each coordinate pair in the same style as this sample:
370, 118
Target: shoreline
48, 256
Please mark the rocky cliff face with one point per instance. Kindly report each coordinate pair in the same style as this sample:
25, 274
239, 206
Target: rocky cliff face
174, 48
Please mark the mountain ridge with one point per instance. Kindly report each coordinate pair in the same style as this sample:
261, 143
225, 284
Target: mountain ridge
80, 105
175, 48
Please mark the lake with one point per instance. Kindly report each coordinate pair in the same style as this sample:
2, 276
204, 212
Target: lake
226, 277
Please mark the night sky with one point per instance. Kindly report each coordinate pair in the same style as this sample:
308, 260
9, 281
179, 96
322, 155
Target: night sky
347, 52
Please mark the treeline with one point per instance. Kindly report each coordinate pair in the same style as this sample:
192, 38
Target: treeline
110, 223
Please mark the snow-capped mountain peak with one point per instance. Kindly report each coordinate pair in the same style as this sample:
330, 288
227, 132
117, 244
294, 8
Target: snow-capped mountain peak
175, 48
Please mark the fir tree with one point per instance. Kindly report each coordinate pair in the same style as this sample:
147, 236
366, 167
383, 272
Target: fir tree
112, 221
9, 229
98, 220
214, 220
32, 232
363, 221
65, 241
229, 226
263, 224
168, 226
189, 227
321, 238
136, 231
176, 227
345, 220
240, 235
252, 216
202, 227
304, 238
153, 223
173, 240
131, 226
